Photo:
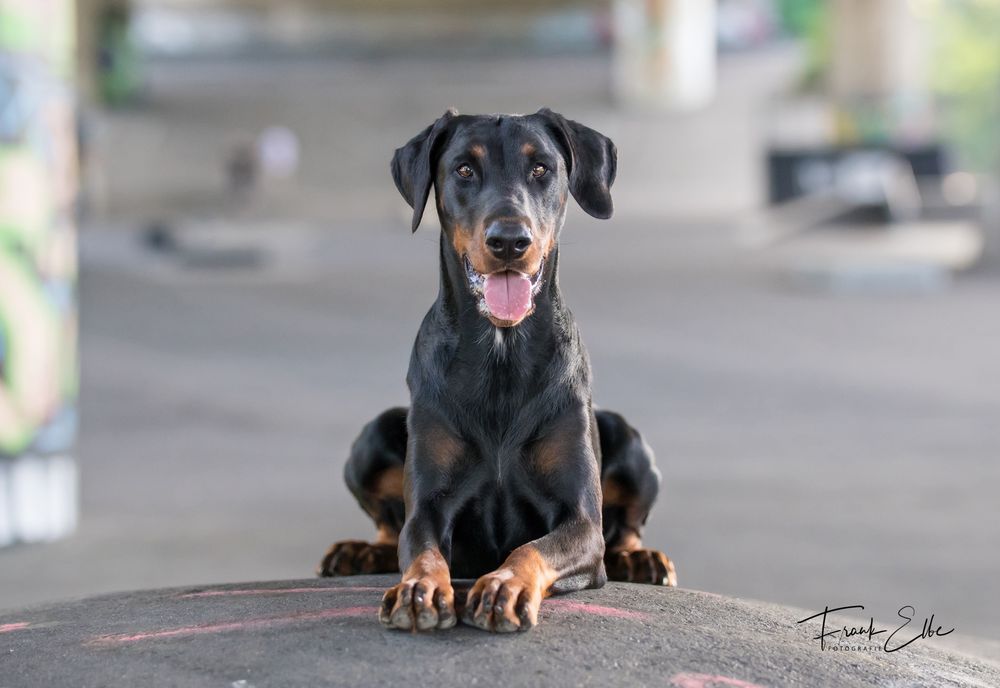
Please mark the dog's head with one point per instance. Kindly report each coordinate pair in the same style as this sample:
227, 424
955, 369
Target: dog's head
501, 186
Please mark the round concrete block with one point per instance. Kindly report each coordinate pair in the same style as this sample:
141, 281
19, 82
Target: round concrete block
325, 633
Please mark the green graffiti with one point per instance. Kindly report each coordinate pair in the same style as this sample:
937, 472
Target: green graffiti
38, 360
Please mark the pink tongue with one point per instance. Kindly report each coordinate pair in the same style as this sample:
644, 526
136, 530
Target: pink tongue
508, 295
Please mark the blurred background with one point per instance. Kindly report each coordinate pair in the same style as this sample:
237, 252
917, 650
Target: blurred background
207, 282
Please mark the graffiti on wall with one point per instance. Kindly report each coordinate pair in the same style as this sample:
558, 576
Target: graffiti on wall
38, 324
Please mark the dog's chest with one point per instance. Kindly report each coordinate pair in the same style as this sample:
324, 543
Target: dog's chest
498, 516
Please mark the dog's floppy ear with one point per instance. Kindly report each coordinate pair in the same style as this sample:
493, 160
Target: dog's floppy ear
413, 165
592, 162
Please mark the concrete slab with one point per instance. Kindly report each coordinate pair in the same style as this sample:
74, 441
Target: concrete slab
324, 632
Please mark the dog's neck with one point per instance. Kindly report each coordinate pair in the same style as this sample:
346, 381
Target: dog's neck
459, 305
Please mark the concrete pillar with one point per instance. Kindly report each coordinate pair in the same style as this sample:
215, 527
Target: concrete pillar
878, 49
88, 13
38, 189
664, 53
878, 71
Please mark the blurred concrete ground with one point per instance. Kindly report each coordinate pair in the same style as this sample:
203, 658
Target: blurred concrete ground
816, 451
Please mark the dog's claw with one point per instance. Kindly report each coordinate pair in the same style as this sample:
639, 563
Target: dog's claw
418, 605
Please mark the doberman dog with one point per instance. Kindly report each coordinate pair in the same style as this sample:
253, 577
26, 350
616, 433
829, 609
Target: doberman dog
500, 469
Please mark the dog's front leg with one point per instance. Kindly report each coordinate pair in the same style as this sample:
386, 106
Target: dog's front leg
424, 598
568, 558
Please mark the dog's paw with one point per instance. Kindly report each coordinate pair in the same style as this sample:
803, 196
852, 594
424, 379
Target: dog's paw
418, 604
352, 557
503, 602
641, 566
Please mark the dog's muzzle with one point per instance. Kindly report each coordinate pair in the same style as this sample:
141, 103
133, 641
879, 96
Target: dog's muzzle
505, 297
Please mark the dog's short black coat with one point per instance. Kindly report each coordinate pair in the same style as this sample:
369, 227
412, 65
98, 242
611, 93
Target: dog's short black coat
500, 469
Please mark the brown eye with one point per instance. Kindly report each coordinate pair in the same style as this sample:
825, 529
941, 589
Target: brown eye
463, 171
539, 170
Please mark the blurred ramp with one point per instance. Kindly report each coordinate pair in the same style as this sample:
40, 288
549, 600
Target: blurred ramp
909, 257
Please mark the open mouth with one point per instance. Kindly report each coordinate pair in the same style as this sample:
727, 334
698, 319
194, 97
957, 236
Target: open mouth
505, 297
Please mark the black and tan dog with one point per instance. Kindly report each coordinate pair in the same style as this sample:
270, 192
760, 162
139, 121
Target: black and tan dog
500, 470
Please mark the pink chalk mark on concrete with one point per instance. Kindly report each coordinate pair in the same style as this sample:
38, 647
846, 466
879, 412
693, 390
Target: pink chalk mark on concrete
229, 626
278, 591
585, 608
11, 627
689, 680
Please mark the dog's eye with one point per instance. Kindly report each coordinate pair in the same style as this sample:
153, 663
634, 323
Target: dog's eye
539, 170
463, 171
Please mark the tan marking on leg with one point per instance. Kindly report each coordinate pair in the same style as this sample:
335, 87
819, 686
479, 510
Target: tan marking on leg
428, 564
528, 564
387, 536
629, 542
508, 599
614, 494
424, 598
388, 484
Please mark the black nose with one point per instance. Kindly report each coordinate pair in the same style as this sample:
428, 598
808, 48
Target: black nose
507, 240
